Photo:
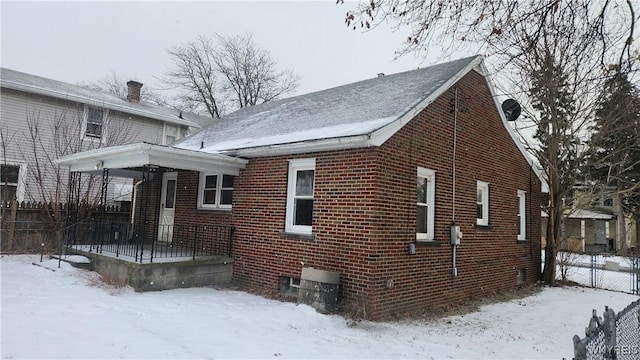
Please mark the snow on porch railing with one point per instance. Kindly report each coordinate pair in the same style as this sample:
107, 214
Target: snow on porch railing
611, 337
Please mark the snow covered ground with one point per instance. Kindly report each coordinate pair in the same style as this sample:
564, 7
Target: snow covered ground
69, 313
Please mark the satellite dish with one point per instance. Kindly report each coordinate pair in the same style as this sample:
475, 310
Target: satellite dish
511, 109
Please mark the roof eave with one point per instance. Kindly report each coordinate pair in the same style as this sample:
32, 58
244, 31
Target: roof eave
140, 154
302, 147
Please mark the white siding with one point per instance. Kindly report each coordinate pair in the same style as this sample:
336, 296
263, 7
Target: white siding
19, 109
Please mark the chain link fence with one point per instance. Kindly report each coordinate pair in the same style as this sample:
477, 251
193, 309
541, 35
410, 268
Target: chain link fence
612, 336
601, 271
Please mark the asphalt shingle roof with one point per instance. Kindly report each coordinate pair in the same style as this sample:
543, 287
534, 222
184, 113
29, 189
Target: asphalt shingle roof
349, 110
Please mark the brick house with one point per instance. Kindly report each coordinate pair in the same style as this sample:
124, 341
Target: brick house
364, 180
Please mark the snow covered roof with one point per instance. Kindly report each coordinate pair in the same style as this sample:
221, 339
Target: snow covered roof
364, 113
17, 80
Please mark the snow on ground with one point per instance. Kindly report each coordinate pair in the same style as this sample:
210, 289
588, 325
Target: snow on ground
69, 313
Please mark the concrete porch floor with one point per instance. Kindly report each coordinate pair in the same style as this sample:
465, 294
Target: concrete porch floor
162, 274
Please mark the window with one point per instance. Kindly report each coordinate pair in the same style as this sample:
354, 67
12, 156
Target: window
216, 191
9, 180
608, 202
171, 133
299, 216
522, 223
289, 285
482, 207
425, 198
94, 122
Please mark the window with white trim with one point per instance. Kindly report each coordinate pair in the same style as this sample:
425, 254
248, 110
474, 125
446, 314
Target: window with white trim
482, 204
299, 215
94, 119
215, 191
425, 200
522, 223
12, 181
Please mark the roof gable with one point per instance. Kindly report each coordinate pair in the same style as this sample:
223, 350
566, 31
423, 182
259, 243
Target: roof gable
17, 80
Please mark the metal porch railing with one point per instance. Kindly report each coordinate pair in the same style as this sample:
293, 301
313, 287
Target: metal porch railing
174, 241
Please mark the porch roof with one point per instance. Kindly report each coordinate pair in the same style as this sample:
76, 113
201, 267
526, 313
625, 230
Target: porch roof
585, 214
128, 160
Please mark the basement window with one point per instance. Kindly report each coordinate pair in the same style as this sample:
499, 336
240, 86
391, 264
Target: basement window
289, 285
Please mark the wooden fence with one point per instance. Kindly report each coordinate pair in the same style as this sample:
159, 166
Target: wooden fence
27, 227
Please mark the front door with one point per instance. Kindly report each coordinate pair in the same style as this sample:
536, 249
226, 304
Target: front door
167, 206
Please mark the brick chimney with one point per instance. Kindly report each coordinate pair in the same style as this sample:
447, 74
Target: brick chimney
133, 95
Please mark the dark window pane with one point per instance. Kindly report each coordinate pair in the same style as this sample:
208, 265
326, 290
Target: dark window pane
608, 202
171, 194
94, 130
422, 222
303, 209
8, 192
519, 225
95, 116
226, 197
10, 174
209, 197
422, 190
227, 181
210, 181
304, 183
479, 211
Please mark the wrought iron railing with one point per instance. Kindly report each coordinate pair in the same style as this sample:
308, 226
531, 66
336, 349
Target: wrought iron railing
171, 241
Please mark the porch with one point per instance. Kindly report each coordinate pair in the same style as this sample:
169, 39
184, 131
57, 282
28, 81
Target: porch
160, 247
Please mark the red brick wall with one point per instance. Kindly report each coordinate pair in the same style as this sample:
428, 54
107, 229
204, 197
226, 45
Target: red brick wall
364, 213
487, 257
342, 220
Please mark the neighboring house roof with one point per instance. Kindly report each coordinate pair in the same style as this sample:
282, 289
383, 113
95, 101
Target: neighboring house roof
17, 80
361, 114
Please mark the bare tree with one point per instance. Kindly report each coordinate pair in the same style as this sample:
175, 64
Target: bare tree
250, 73
455, 24
232, 74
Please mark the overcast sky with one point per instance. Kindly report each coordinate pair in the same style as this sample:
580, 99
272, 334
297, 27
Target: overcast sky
84, 41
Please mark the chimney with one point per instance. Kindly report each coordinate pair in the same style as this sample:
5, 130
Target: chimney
133, 95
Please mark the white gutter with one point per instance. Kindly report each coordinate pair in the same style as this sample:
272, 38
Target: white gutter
342, 143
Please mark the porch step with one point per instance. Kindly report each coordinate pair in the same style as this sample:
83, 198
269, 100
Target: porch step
77, 261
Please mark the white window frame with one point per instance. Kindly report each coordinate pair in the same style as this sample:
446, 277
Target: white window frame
430, 176
22, 178
522, 214
85, 121
165, 131
218, 189
483, 187
295, 166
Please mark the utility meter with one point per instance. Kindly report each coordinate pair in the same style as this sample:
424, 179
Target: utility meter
456, 235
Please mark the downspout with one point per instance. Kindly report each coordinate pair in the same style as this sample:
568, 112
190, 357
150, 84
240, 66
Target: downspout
133, 206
